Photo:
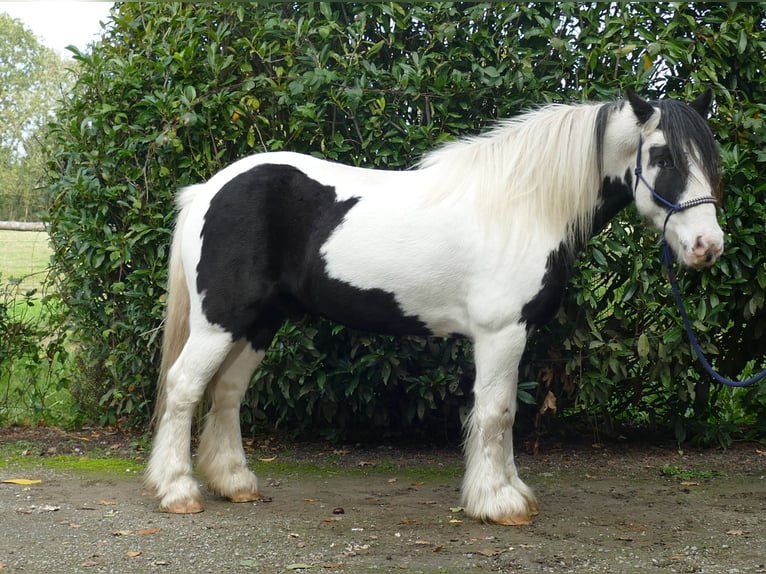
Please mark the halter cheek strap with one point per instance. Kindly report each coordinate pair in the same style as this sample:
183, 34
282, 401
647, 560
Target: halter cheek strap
672, 207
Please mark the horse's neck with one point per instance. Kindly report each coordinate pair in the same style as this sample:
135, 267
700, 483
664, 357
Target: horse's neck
615, 195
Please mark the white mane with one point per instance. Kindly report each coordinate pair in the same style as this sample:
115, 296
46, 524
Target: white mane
545, 163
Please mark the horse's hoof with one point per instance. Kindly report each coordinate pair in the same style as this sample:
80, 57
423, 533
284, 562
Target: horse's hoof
246, 497
183, 507
513, 520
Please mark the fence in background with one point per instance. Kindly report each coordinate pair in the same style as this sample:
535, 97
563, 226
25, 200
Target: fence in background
24, 255
22, 225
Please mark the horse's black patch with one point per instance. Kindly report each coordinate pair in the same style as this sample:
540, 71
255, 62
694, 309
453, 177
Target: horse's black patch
543, 306
616, 195
671, 179
260, 264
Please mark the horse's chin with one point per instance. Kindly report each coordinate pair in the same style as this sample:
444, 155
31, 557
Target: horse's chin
696, 261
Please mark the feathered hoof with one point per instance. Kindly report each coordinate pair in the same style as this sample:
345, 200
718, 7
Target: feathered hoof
246, 497
512, 520
192, 506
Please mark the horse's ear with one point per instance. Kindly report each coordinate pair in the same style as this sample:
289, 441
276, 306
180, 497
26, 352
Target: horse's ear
643, 109
702, 104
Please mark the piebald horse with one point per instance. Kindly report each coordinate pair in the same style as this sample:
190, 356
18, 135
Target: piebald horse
478, 240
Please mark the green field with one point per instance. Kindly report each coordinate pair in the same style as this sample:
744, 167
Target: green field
33, 376
24, 255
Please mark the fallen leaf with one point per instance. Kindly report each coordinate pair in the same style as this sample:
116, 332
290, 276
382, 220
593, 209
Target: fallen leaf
455, 521
549, 404
133, 553
106, 503
589, 476
438, 548
392, 480
248, 563
270, 459
331, 565
299, 566
456, 509
22, 481
689, 483
48, 508
423, 542
406, 520
70, 524
737, 532
364, 463
309, 500
418, 483
490, 553
148, 531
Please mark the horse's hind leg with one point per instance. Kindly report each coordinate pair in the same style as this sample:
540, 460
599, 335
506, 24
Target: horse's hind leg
169, 472
222, 460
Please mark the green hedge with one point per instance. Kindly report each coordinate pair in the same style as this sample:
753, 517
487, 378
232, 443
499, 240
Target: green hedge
177, 91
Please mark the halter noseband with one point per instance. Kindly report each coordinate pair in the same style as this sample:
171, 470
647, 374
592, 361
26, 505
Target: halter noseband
672, 207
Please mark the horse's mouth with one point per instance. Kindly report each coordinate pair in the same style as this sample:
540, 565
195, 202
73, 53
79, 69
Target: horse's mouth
703, 254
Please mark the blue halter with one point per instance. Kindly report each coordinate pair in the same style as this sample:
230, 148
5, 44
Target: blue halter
667, 260
672, 207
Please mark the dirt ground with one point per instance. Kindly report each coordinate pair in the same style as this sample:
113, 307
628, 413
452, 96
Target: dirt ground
615, 508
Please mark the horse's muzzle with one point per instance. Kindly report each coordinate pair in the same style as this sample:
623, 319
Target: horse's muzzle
703, 253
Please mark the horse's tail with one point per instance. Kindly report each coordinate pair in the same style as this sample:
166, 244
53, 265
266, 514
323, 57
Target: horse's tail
177, 305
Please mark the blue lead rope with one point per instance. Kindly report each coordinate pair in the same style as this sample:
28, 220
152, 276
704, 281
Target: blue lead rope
667, 259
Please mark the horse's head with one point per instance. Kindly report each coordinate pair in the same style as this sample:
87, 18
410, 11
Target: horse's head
675, 169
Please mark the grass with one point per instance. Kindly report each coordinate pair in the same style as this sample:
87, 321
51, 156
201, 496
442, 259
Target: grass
33, 373
24, 257
13, 456
687, 474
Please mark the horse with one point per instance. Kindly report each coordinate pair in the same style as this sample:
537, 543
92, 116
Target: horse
476, 240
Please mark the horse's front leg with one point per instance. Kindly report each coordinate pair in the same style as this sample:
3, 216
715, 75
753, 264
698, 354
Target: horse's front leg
492, 490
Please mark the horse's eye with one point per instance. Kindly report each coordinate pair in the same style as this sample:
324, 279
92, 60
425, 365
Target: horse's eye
665, 163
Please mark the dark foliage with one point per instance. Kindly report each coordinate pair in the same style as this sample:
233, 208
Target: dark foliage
177, 91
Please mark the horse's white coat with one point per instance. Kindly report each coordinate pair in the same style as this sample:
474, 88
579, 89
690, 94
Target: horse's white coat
462, 243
